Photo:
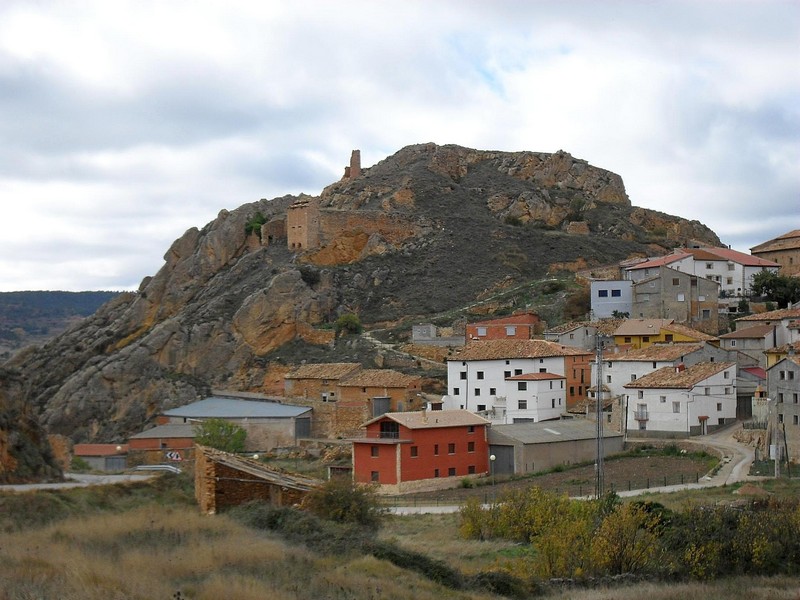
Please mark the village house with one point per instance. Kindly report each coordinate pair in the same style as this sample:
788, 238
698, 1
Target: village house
103, 457
640, 333
785, 320
533, 397
777, 354
318, 381
428, 334
582, 334
414, 451
682, 401
526, 448
783, 390
611, 298
171, 443
783, 250
732, 270
476, 376
381, 391
752, 341
520, 326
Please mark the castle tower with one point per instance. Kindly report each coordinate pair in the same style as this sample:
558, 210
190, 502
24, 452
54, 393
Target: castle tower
355, 164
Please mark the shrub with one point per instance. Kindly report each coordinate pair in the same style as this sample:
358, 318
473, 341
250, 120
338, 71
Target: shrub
254, 224
343, 501
348, 323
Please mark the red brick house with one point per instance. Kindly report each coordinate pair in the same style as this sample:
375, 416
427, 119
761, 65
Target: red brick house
522, 326
410, 451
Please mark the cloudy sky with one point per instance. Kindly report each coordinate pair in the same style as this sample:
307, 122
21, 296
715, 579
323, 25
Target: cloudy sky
122, 124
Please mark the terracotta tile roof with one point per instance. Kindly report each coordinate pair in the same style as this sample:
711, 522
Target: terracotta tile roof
656, 352
785, 348
773, 315
730, 255
589, 405
657, 262
688, 332
566, 327
672, 378
787, 241
641, 326
433, 419
379, 378
535, 377
501, 349
323, 371
754, 332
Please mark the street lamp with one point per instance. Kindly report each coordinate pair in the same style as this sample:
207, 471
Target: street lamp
492, 458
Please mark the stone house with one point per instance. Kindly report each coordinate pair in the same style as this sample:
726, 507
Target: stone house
752, 341
783, 390
681, 297
521, 326
414, 451
318, 381
582, 334
786, 322
223, 480
381, 391
476, 376
783, 250
682, 401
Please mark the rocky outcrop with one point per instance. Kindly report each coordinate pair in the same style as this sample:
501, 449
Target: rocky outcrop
427, 230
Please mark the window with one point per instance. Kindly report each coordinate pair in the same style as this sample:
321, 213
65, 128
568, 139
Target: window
681, 297
710, 266
522, 405
451, 448
731, 267
481, 331
729, 280
608, 378
481, 407
726, 375
374, 450
627, 339
727, 390
543, 370
436, 449
668, 337
375, 476
707, 391
794, 420
456, 391
676, 407
477, 392
733, 342
471, 469
602, 293
451, 472
506, 374
511, 330
719, 406
780, 397
633, 377
790, 374
480, 375
706, 313
645, 338
517, 371
640, 394
794, 398
522, 386
414, 451
553, 403
462, 375
676, 281
780, 417
470, 446
436, 472
572, 390
616, 293
492, 391
471, 429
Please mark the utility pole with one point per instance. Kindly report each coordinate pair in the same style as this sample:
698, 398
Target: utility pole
598, 486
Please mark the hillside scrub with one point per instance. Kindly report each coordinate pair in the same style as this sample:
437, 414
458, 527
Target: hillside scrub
577, 539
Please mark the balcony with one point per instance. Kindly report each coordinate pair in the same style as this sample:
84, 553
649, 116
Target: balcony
640, 414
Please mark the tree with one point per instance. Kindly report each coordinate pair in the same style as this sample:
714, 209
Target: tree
348, 323
221, 434
781, 289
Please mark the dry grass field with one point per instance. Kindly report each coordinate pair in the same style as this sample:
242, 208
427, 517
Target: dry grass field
148, 541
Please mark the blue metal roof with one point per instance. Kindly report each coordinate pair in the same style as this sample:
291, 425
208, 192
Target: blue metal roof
233, 408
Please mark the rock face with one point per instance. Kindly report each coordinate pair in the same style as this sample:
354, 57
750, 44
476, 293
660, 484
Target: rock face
426, 230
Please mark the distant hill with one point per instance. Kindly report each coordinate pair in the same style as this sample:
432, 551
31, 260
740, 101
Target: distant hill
421, 235
33, 317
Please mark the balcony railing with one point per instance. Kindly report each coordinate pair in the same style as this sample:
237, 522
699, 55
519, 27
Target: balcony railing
640, 414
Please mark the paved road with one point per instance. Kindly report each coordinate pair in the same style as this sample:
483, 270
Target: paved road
74, 480
735, 467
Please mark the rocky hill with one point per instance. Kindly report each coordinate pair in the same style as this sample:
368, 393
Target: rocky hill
427, 230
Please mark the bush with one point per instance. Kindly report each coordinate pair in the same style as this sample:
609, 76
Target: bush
348, 323
221, 434
254, 224
343, 501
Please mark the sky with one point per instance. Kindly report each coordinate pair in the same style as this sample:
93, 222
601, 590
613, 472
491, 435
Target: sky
123, 124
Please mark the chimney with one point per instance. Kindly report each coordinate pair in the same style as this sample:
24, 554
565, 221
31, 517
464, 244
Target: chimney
681, 367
